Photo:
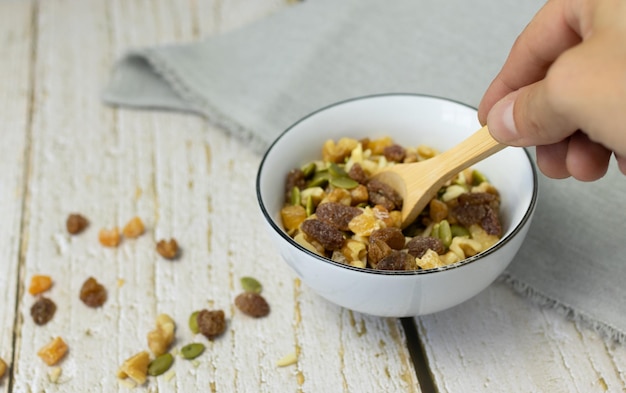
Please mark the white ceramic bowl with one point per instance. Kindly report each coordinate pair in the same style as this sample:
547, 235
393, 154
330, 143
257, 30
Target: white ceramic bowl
410, 120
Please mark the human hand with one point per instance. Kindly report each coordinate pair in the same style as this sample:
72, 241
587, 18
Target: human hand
563, 89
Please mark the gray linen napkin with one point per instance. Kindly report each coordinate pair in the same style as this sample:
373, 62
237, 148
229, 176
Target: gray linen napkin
256, 81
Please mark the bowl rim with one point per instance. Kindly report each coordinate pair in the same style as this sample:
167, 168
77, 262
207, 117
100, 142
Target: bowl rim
268, 217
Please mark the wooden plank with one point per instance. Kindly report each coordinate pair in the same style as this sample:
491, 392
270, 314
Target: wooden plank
498, 341
186, 180
16, 39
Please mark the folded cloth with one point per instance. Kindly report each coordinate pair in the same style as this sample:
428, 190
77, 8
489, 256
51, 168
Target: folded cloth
256, 81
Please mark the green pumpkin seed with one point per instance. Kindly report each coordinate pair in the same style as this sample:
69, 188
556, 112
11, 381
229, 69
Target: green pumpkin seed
343, 182
478, 177
309, 170
445, 234
161, 364
250, 284
435, 231
336, 171
192, 351
310, 207
458, 230
295, 196
320, 179
193, 322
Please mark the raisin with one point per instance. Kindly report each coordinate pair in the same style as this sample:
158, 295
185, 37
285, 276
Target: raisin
252, 304
397, 260
467, 215
167, 248
491, 222
476, 198
337, 214
92, 293
328, 236
43, 310
420, 244
377, 250
357, 173
395, 153
76, 223
383, 194
391, 235
211, 323
295, 178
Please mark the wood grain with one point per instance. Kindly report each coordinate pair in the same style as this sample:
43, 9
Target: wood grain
187, 180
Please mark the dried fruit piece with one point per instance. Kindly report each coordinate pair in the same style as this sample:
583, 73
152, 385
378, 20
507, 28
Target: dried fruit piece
135, 368
193, 322
252, 304
420, 244
292, 216
391, 235
337, 214
53, 352
395, 153
161, 364
192, 351
92, 293
3, 368
134, 228
211, 323
43, 310
167, 248
397, 260
39, 283
109, 237
383, 194
327, 235
250, 284
161, 337
76, 223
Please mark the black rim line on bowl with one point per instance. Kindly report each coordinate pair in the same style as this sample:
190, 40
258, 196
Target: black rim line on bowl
456, 265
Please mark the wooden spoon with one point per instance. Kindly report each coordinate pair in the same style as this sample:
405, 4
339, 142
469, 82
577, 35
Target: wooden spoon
419, 182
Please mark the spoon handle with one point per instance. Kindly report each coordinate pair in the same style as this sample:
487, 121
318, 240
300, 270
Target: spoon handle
473, 149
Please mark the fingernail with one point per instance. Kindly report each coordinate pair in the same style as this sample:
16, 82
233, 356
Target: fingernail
501, 121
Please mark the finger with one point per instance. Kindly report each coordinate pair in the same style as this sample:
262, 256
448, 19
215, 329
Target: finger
586, 160
551, 159
550, 32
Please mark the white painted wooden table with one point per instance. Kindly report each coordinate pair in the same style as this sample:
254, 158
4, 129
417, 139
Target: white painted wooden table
62, 152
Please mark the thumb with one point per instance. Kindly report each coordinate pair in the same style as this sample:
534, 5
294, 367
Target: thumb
526, 117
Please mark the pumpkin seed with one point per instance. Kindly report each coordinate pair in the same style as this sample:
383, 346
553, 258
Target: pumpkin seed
192, 351
310, 207
295, 196
193, 322
445, 234
308, 169
250, 284
458, 230
320, 179
336, 171
478, 177
161, 364
343, 182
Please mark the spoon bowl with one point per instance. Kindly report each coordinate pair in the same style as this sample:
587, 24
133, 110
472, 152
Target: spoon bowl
419, 182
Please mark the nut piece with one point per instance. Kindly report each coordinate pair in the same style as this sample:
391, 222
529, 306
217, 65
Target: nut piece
39, 283
287, 360
211, 323
167, 248
135, 368
252, 304
76, 223
134, 228
53, 351
109, 237
159, 339
3, 368
92, 293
